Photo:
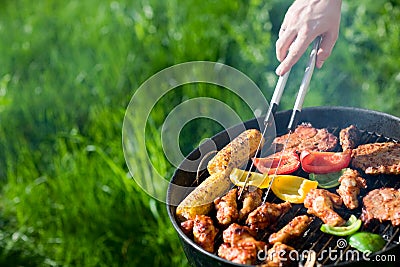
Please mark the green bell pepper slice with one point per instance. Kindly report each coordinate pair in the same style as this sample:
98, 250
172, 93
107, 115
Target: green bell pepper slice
366, 242
351, 226
328, 180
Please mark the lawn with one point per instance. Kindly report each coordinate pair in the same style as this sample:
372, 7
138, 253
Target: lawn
68, 70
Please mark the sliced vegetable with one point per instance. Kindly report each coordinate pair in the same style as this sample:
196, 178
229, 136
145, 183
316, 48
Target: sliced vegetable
287, 187
327, 180
238, 177
351, 226
292, 188
324, 162
289, 163
366, 242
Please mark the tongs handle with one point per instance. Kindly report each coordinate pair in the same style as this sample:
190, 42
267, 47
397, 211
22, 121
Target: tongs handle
304, 85
276, 97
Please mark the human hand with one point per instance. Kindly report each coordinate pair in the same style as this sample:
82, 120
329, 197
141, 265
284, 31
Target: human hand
303, 22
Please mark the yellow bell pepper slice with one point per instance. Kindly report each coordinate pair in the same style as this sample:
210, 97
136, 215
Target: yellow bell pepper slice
286, 187
292, 188
238, 177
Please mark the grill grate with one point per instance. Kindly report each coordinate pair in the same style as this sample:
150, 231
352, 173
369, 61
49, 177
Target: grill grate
321, 243
332, 250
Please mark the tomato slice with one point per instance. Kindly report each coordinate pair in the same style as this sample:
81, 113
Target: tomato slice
324, 162
290, 162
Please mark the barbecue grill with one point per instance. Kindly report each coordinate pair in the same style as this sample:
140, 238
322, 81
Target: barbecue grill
375, 127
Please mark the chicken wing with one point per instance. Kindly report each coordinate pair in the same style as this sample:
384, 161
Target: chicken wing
187, 227
242, 255
239, 236
279, 255
320, 202
239, 245
266, 215
226, 207
252, 198
204, 231
350, 184
296, 227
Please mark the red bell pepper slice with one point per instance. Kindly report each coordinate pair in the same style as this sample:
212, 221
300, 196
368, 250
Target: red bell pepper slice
324, 162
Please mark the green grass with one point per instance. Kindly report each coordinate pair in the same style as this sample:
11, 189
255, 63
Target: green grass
67, 72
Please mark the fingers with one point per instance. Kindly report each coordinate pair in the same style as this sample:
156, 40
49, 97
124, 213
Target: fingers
283, 27
304, 21
286, 37
297, 49
283, 43
325, 50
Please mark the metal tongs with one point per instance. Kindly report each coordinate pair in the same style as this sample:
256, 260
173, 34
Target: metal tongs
276, 97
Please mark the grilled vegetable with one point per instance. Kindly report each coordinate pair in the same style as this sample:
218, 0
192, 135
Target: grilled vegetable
288, 162
292, 188
366, 242
238, 177
200, 200
233, 155
351, 226
237, 152
324, 162
327, 180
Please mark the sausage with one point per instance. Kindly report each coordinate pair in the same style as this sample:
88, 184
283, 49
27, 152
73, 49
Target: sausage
237, 152
233, 155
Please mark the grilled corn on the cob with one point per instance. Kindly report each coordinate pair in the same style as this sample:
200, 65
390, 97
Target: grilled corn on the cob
237, 152
233, 155
200, 200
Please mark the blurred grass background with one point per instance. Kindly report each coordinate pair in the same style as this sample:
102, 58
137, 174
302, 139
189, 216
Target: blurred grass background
67, 72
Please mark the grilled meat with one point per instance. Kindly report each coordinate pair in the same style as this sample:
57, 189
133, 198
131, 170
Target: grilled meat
187, 227
349, 137
377, 158
226, 207
239, 245
305, 137
382, 204
242, 255
278, 256
350, 184
320, 202
296, 227
238, 235
204, 231
252, 198
266, 215
302, 132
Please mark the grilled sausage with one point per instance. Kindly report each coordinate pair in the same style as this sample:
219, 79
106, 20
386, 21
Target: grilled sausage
237, 152
233, 155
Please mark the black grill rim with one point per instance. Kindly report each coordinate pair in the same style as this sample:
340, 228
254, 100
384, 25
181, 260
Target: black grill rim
385, 126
